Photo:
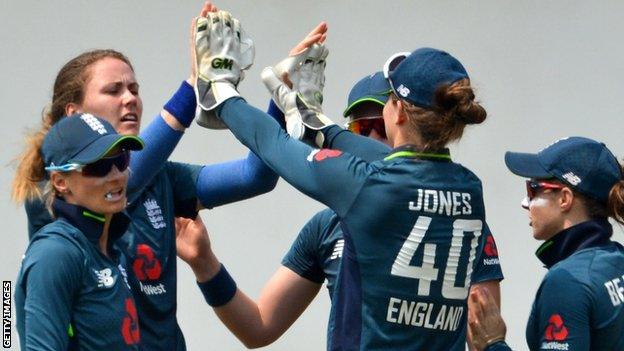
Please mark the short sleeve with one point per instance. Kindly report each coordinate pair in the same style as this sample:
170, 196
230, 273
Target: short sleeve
50, 278
303, 256
487, 265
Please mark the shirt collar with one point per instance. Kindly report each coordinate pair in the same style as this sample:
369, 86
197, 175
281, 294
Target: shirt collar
584, 235
412, 151
91, 224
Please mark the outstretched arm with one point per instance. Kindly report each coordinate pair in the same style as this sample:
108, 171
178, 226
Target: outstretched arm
329, 176
237, 180
255, 323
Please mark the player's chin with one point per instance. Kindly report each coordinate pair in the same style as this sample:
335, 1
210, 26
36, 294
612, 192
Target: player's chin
129, 128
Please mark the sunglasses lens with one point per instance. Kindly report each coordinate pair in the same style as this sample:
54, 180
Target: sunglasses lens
364, 126
103, 166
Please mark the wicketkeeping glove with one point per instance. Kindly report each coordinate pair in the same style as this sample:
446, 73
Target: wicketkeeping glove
301, 104
222, 52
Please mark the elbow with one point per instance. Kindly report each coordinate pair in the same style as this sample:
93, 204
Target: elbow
268, 184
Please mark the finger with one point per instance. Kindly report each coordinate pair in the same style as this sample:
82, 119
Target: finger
236, 27
304, 44
320, 28
226, 19
322, 39
205, 9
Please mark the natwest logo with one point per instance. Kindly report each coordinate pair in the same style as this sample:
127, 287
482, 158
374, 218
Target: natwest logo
556, 331
490, 246
146, 266
130, 324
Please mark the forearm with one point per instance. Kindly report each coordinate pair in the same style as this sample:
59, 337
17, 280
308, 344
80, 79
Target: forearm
289, 158
228, 182
161, 137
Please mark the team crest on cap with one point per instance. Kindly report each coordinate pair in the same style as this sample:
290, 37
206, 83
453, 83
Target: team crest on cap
94, 123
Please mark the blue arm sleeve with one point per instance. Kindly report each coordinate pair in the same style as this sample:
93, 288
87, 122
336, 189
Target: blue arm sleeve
366, 148
328, 176
232, 181
160, 140
50, 276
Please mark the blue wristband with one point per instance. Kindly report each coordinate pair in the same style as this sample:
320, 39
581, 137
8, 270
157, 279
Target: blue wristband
182, 104
220, 289
499, 345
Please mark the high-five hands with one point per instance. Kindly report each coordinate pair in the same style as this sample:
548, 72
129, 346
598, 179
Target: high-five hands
296, 85
222, 53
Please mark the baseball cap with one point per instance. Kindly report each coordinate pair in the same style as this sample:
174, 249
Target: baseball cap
415, 76
373, 88
584, 164
82, 139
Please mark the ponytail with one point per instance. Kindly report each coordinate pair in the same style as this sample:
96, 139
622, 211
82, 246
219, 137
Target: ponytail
454, 107
615, 204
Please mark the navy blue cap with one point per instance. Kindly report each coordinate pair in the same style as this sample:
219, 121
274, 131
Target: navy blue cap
584, 164
82, 139
416, 78
372, 88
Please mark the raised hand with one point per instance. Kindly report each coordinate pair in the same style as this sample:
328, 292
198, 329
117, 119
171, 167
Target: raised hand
222, 51
485, 324
296, 85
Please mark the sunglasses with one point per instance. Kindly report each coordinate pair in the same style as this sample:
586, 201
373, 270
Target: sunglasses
99, 168
534, 186
364, 126
392, 63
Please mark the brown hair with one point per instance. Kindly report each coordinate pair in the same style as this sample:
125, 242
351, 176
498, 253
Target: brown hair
614, 207
68, 88
454, 107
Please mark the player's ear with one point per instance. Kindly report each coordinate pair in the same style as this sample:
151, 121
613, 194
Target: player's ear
401, 115
566, 199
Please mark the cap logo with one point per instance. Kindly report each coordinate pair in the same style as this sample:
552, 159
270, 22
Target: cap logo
403, 90
572, 178
93, 122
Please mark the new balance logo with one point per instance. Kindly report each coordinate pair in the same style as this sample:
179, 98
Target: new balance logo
93, 122
337, 253
105, 278
220, 63
403, 90
572, 178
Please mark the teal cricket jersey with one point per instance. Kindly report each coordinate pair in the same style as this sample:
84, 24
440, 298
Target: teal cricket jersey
316, 252
580, 303
69, 295
149, 249
413, 228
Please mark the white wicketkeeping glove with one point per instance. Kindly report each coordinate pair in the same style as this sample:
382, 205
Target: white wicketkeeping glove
301, 104
222, 52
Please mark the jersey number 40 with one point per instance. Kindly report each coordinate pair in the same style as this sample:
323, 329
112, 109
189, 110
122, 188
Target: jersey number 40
427, 272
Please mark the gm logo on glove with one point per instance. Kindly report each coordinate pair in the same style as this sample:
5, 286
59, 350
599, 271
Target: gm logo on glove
219, 63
